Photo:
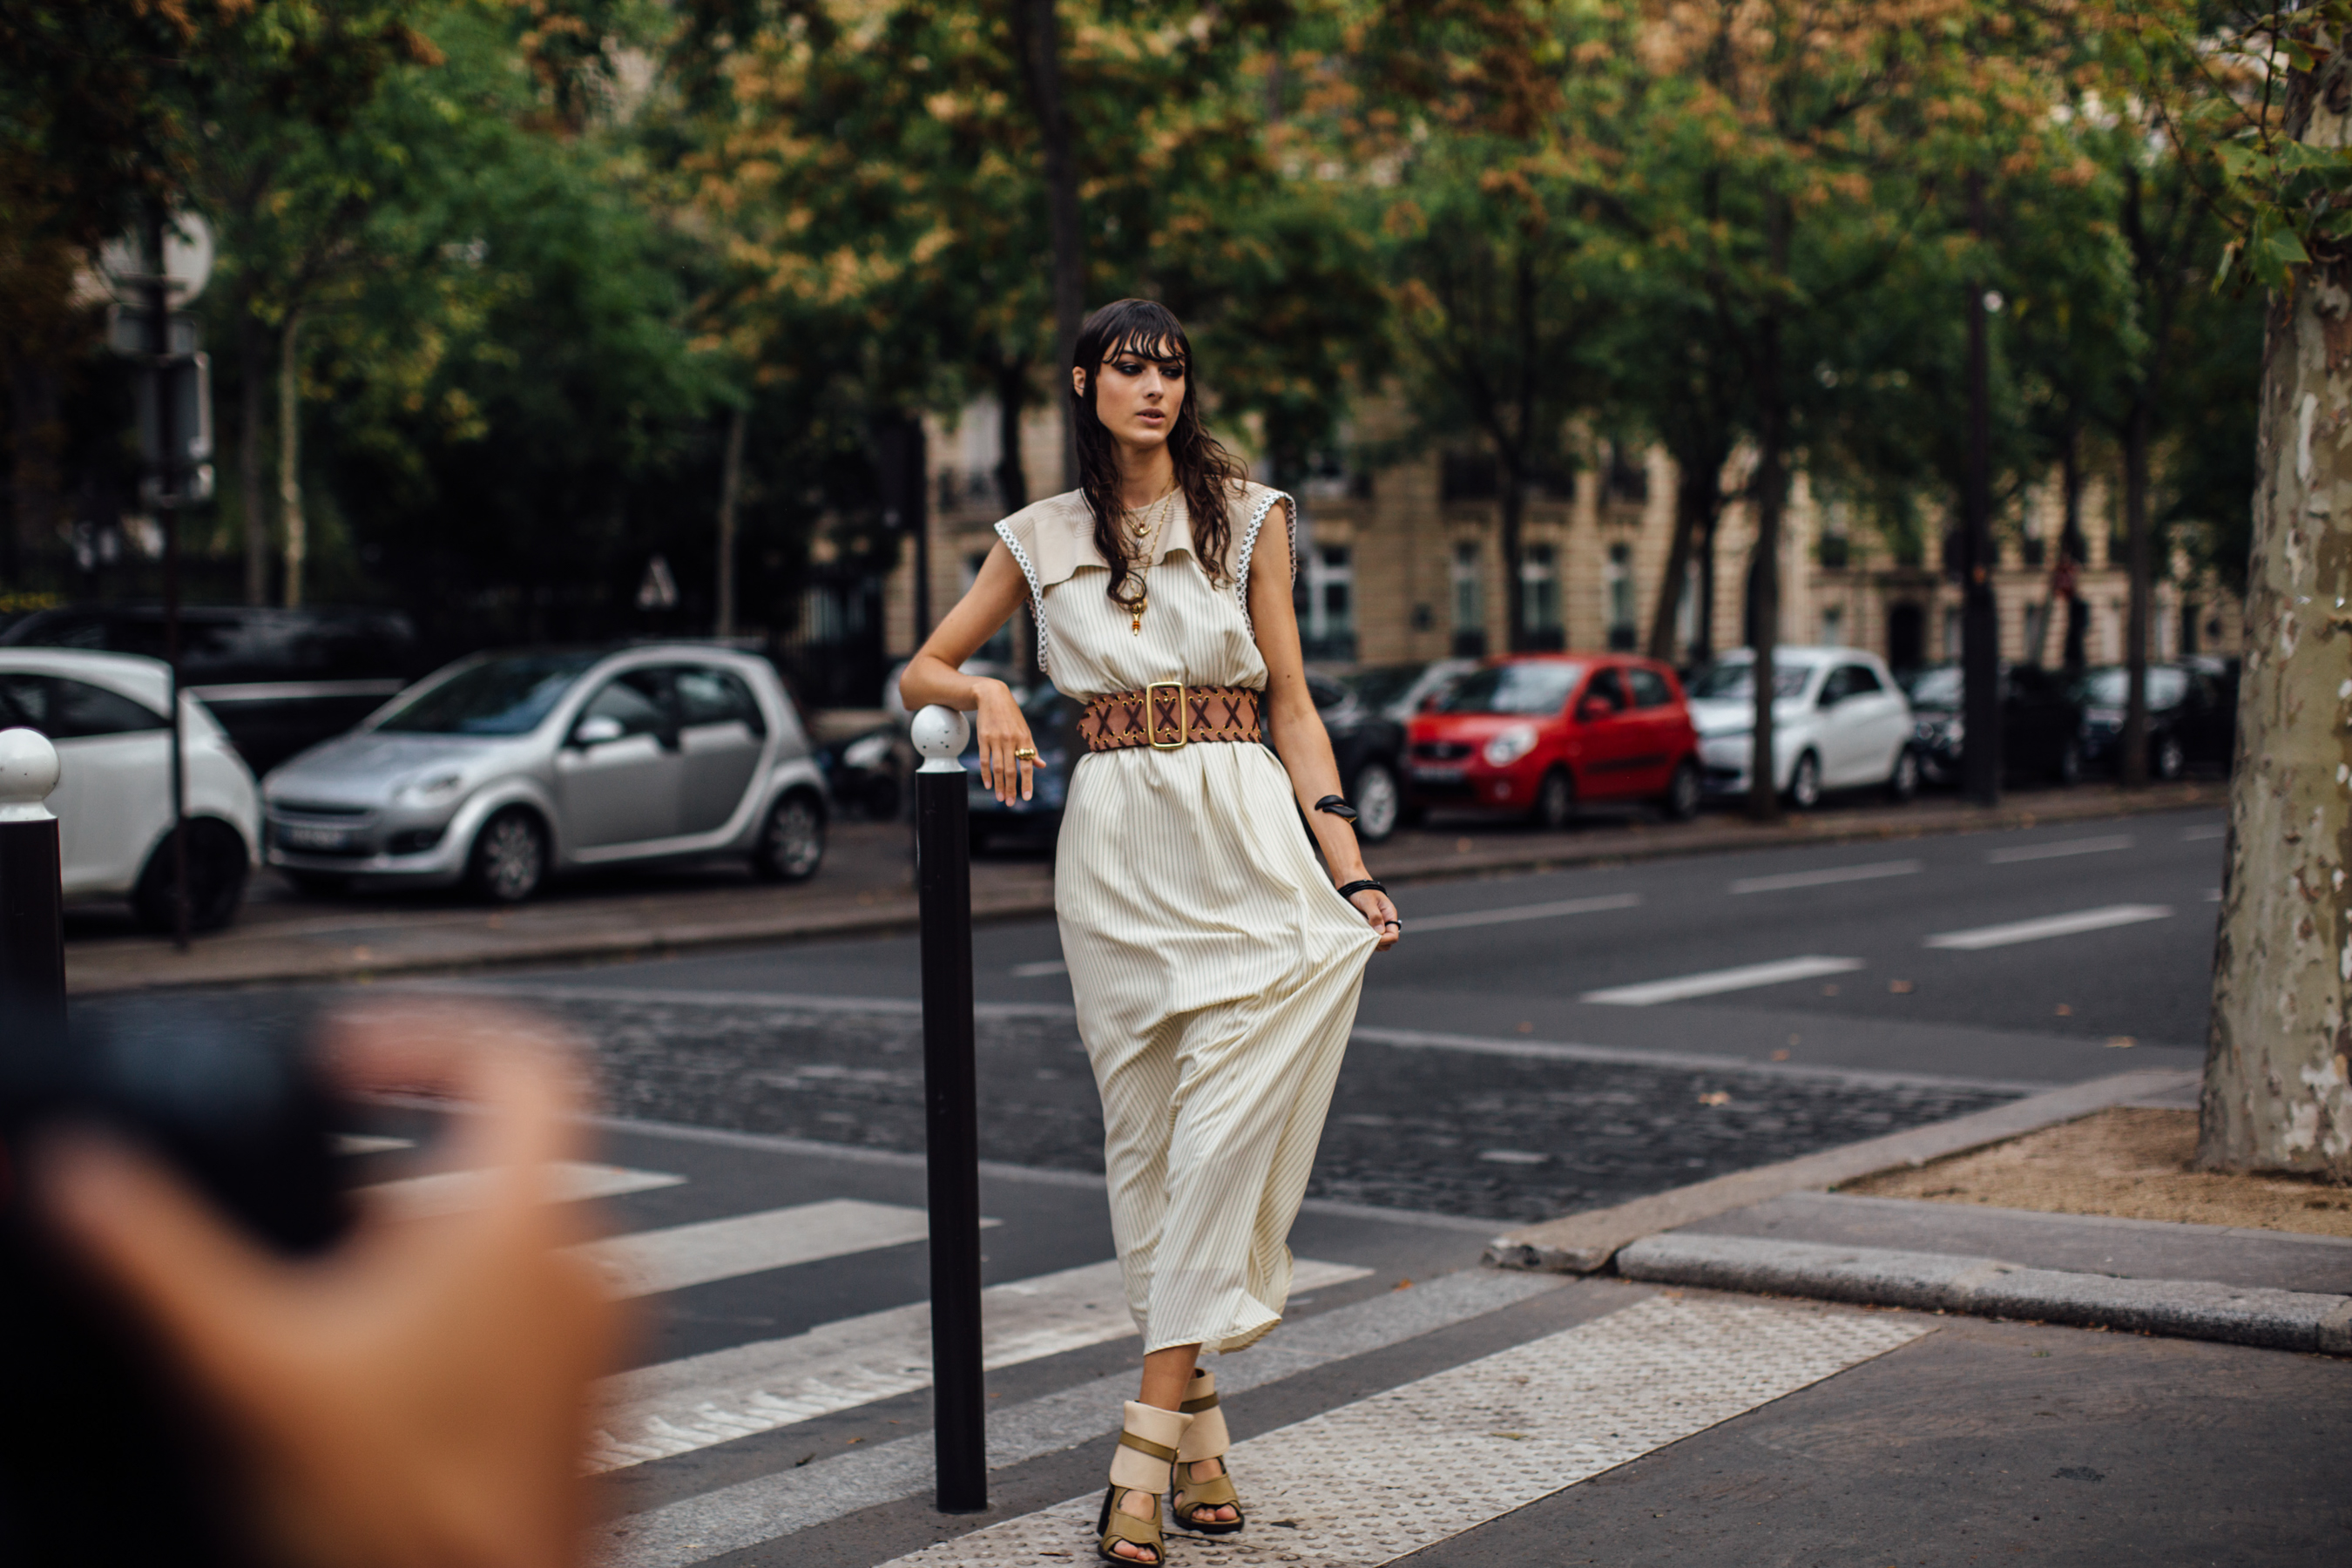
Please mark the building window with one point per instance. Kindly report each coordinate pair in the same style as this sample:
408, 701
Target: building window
1833, 626
1469, 601
1539, 596
1331, 582
1617, 578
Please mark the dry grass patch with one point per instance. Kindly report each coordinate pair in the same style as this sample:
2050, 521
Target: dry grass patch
2130, 1163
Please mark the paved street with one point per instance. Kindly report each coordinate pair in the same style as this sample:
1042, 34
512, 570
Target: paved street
1542, 1044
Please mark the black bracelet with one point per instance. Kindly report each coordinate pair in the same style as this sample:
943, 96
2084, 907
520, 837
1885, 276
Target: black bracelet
1338, 806
1366, 886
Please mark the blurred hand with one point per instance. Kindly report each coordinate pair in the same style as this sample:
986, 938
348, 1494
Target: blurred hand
419, 1397
1005, 729
1380, 914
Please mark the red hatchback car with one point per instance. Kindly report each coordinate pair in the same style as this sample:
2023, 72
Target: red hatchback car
1537, 734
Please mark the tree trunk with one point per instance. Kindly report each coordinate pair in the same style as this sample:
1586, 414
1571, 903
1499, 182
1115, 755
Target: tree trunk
253, 400
1980, 611
1702, 649
1037, 33
2276, 1055
730, 492
2072, 547
1698, 496
2136, 552
1763, 796
290, 456
1515, 555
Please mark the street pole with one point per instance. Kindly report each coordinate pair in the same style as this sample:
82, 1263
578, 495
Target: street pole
1980, 761
951, 1089
163, 371
31, 929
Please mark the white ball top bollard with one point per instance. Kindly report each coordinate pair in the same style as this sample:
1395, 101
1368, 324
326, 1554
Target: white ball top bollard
28, 772
941, 735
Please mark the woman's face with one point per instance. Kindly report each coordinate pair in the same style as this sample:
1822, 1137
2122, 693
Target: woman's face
1137, 394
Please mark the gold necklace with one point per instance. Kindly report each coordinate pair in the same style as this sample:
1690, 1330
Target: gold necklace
1145, 525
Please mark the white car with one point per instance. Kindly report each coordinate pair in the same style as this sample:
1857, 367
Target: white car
1839, 721
104, 713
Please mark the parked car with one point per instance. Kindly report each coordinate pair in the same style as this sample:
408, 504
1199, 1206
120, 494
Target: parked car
505, 767
1540, 734
1400, 690
2041, 723
277, 679
2192, 718
104, 713
1839, 721
1054, 726
1369, 746
866, 772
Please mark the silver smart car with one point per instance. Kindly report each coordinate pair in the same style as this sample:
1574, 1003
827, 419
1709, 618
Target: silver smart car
506, 766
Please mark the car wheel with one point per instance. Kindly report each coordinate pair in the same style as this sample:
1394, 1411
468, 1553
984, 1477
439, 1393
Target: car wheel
1804, 790
1904, 782
791, 841
317, 884
1378, 801
2068, 770
1681, 800
1555, 805
2168, 761
217, 871
509, 860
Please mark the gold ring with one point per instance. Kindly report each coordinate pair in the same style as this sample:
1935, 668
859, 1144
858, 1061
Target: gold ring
1025, 755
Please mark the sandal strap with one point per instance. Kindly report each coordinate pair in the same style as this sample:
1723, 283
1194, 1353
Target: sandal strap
1118, 1525
1194, 1406
1217, 1491
1145, 1446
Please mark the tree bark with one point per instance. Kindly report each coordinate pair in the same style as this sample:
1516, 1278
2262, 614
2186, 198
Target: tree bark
1763, 795
1980, 613
1514, 554
1698, 497
731, 490
253, 399
2276, 1055
2135, 556
2072, 547
1037, 33
290, 456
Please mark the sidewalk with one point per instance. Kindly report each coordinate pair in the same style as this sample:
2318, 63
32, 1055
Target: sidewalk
867, 886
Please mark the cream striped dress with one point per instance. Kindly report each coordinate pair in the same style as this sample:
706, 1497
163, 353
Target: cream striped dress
1215, 968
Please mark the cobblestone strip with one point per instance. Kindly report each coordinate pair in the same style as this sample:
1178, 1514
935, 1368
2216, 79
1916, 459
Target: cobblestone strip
1373, 1481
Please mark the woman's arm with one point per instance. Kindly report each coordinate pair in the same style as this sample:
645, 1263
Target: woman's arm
935, 675
1302, 742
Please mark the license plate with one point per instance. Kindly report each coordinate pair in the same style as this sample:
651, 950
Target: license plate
314, 837
1438, 775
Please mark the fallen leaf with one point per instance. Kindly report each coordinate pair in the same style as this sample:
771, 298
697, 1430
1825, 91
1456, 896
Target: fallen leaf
1899, 987
2120, 1042
1779, 1056
2064, 1011
1721, 1097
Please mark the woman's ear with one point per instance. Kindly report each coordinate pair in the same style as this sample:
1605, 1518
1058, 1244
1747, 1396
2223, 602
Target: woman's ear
1078, 380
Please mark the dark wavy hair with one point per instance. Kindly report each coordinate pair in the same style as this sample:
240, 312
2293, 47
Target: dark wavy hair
1209, 476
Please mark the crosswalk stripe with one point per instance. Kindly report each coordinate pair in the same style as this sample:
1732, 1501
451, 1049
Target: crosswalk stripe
1523, 912
2064, 848
682, 1406
2050, 926
1715, 981
651, 1262
1383, 1478
568, 1181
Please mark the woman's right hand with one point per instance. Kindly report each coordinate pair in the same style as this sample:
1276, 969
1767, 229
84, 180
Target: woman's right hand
1004, 730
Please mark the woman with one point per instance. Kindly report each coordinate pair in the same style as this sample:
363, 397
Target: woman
1215, 968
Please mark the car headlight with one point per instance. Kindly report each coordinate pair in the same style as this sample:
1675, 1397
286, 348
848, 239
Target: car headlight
1510, 746
433, 789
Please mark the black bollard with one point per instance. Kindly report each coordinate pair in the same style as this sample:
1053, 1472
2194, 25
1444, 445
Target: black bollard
32, 927
951, 1089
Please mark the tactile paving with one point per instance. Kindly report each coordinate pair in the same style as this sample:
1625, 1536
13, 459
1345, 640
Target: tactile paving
1375, 1480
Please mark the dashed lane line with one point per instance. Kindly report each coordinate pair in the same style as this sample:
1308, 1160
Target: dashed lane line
1378, 1479
682, 1406
2048, 926
2018, 853
1713, 981
2209, 830
1828, 876
1040, 970
1554, 910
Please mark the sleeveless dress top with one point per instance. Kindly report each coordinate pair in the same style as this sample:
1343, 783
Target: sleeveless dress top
1216, 970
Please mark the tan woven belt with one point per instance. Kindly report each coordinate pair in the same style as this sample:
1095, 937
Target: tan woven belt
1167, 714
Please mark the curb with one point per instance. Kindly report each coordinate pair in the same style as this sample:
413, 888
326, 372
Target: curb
1584, 1243
1989, 1288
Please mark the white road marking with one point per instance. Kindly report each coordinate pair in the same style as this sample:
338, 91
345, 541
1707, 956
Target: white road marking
2050, 926
682, 1406
1488, 1436
651, 1261
2212, 895
369, 1144
1521, 912
570, 1181
1040, 969
1821, 878
1650, 993
2210, 830
2059, 850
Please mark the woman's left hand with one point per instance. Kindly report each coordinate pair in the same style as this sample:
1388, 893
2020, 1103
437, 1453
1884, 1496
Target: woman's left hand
1380, 914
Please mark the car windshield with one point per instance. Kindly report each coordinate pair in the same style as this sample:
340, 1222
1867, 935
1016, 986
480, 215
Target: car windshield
1938, 687
1536, 688
1383, 684
1737, 682
497, 697
2111, 687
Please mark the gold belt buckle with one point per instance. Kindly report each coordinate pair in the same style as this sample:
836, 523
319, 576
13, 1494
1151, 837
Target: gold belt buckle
1151, 722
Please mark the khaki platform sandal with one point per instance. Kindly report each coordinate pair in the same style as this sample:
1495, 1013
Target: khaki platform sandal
1205, 1440
1144, 1462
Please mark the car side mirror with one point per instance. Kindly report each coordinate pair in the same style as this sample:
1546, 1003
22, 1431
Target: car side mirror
596, 730
1592, 710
